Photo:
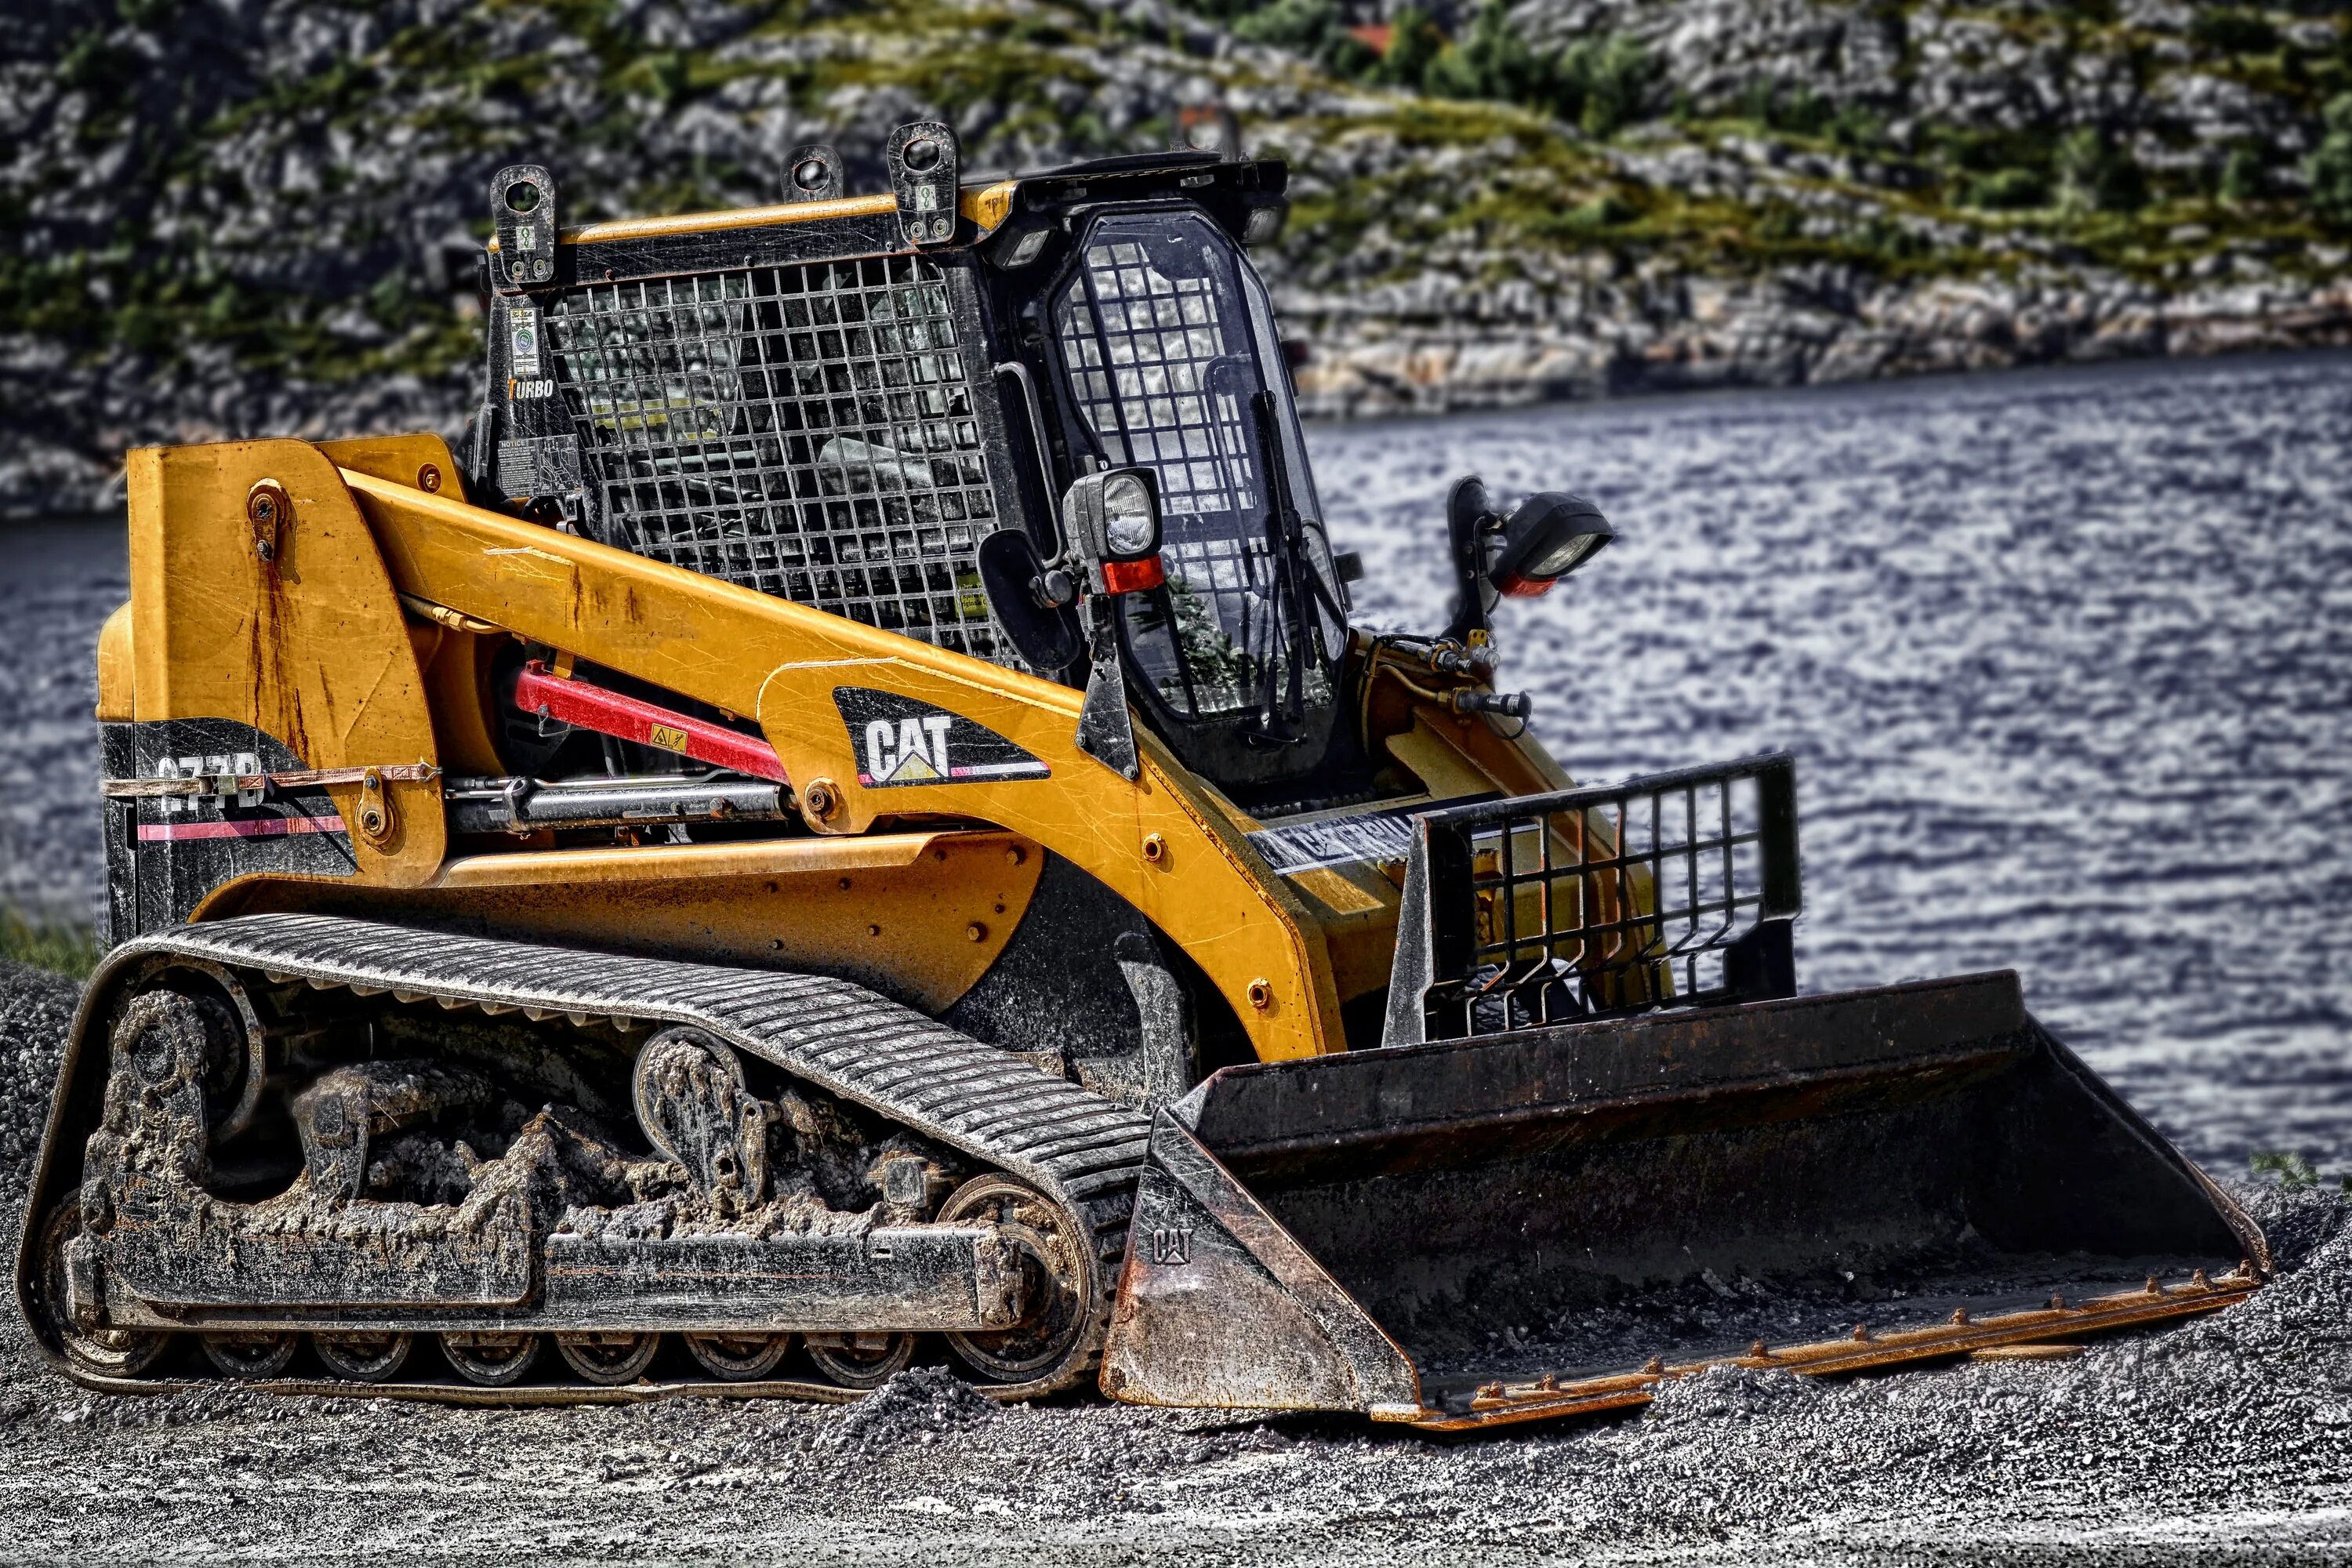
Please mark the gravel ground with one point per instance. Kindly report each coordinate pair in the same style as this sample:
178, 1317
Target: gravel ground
2228, 1440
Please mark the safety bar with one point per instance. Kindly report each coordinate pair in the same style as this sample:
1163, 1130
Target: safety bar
1674, 890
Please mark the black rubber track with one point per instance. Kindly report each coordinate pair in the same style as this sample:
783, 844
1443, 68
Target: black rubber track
1078, 1147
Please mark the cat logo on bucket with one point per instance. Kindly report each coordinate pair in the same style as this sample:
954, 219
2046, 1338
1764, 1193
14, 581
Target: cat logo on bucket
901, 741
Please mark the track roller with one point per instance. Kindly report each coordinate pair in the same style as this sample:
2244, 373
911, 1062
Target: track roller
610, 1360
738, 1358
364, 1357
861, 1361
250, 1353
490, 1361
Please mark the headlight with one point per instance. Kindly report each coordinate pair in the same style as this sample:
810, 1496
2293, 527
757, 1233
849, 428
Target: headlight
1114, 516
1131, 522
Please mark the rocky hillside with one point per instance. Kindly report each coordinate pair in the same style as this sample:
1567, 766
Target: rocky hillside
246, 216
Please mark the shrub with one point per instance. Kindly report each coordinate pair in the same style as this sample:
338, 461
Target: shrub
1602, 82
1598, 83
2241, 175
1303, 24
2234, 32
2095, 175
2292, 1170
1601, 212
1857, 129
2006, 190
1493, 61
2329, 167
1414, 45
1802, 112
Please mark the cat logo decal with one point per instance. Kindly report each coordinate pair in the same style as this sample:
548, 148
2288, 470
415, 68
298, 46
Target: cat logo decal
900, 741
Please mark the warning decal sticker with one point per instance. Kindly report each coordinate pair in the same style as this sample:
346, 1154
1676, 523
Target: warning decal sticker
1359, 839
900, 741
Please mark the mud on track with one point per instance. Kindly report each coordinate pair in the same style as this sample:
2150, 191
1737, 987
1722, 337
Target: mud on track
2226, 1440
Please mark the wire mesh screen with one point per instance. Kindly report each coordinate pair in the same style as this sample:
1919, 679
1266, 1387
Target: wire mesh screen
1144, 351
1155, 337
1672, 890
807, 430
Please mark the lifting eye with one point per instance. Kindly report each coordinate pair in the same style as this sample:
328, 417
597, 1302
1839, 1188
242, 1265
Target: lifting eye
522, 196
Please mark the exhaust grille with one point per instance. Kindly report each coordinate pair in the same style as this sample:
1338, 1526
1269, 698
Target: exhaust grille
807, 430
1672, 890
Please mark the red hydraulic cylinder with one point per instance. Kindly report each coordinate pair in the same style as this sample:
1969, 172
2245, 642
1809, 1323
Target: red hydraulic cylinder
586, 707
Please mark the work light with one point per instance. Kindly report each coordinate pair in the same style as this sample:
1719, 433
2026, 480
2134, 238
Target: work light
1115, 517
1548, 535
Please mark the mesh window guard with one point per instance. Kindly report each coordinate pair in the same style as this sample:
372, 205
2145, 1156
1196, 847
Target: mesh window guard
1154, 334
1672, 890
1144, 351
807, 430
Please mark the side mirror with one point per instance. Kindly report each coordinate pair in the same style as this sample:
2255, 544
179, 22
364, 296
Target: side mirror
1032, 602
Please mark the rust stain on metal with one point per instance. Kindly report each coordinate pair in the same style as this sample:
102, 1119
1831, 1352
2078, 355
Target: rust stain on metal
2020, 1335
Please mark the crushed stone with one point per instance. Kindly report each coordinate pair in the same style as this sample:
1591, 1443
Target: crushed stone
36, 1010
2224, 1440
915, 1406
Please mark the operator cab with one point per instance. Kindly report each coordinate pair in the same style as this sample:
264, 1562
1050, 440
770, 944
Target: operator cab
902, 409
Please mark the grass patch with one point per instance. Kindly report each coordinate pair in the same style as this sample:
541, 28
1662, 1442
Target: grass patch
2293, 1170
61, 947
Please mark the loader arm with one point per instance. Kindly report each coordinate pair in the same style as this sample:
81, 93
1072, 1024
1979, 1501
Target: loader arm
750, 653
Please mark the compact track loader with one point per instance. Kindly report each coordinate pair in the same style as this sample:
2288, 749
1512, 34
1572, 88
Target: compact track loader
850, 823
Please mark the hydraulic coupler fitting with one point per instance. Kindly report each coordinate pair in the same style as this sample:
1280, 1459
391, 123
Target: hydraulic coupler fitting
1509, 704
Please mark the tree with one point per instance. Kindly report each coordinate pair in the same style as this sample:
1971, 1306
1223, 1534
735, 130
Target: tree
2093, 174
1414, 42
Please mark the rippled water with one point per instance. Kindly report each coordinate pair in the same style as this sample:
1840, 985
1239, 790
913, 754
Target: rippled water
2065, 659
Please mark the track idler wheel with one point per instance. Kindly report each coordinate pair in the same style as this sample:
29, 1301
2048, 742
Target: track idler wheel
364, 1357
491, 1361
1062, 1289
609, 1360
861, 1361
738, 1358
246, 1354
107, 1352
